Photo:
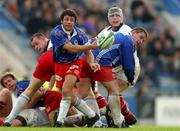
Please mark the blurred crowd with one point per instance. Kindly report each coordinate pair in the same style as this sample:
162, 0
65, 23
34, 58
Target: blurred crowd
159, 57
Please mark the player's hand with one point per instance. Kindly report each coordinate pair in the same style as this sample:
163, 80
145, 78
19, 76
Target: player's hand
95, 66
94, 44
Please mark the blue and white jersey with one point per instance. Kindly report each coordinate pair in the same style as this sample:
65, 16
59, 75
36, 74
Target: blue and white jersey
121, 53
21, 87
59, 37
124, 29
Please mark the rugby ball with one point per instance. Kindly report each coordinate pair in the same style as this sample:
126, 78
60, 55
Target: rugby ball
105, 39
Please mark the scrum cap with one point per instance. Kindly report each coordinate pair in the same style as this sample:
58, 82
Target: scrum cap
115, 10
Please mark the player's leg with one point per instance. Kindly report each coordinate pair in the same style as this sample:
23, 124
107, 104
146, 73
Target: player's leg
74, 118
101, 100
5, 102
51, 101
69, 98
114, 102
129, 117
123, 85
24, 98
85, 92
85, 87
72, 74
108, 79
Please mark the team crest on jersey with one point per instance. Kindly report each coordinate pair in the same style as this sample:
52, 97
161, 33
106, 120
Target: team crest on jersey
75, 42
74, 67
58, 78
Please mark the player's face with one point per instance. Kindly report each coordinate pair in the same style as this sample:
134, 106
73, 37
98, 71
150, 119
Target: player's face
114, 20
139, 38
39, 44
68, 23
9, 83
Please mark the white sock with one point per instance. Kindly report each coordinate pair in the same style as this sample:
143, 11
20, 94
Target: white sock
92, 103
63, 109
114, 105
84, 108
21, 102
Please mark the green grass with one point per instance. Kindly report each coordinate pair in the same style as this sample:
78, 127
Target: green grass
135, 128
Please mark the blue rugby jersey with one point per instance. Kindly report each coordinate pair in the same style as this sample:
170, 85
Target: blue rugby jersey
121, 53
59, 37
21, 87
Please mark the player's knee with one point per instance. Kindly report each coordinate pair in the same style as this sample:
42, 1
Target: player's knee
83, 94
113, 90
5, 96
66, 91
5, 92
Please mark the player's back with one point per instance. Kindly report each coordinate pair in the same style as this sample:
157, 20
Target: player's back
114, 56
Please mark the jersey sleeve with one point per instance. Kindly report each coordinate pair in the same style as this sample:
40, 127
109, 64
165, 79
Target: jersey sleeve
21, 86
58, 38
83, 38
128, 62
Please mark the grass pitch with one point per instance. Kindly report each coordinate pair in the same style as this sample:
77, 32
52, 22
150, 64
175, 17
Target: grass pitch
135, 128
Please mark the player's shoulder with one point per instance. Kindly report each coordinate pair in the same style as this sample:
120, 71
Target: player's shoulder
57, 31
23, 81
124, 26
122, 38
58, 27
22, 84
125, 29
119, 36
107, 28
128, 41
79, 30
80, 33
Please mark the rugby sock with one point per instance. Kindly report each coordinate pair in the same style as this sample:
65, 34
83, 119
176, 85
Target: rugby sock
128, 115
84, 108
102, 102
124, 107
21, 102
92, 103
114, 102
63, 109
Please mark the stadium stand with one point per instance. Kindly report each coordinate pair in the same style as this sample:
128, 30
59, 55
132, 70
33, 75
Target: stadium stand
15, 44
